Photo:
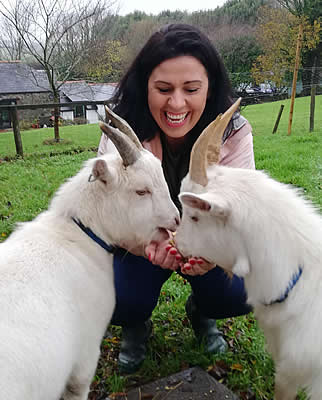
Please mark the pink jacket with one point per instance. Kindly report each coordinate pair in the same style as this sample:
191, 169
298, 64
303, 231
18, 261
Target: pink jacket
236, 151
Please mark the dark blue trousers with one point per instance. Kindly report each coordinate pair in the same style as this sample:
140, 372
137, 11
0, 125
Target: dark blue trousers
138, 283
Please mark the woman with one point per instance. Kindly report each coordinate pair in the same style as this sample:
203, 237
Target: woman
174, 88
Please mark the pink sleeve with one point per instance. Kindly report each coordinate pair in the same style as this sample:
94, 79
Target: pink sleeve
238, 150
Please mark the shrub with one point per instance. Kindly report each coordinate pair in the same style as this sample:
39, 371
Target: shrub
80, 121
25, 125
66, 122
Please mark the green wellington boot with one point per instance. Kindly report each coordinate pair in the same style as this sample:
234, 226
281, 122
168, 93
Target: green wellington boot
205, 329
133, 347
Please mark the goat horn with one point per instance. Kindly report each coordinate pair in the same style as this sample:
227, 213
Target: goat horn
207, 146
123, 126
126, 148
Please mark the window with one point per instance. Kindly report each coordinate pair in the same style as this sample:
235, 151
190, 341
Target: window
5, 120
79, 112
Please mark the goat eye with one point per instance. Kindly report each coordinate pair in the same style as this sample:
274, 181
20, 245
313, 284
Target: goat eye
194, 218
142, 192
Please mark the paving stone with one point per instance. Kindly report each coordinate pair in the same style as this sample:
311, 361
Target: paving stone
191, 384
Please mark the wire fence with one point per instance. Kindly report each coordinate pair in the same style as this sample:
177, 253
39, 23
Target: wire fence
309, 79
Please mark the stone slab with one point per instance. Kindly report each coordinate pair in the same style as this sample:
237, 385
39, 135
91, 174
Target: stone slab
191, 384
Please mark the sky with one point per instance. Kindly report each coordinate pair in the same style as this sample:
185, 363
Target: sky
156, 6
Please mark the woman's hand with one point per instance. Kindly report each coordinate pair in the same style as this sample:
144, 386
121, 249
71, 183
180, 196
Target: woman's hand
164, 255
196, 266
167, 256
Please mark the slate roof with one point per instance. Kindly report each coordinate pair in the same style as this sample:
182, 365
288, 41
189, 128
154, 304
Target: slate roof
16, 77
81, 90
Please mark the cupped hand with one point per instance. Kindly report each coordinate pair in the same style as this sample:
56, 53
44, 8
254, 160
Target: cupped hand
164, 254
167, 256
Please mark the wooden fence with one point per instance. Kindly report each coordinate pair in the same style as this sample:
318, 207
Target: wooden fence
13, 111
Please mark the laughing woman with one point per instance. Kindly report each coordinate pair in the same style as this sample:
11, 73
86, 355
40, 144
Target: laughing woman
174, 88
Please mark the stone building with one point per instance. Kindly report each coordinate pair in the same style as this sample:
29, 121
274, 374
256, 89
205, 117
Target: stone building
21, 84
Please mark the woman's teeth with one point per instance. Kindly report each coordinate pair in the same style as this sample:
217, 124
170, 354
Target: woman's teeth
176, 118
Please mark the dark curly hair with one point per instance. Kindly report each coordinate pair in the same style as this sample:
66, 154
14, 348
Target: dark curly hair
170, 41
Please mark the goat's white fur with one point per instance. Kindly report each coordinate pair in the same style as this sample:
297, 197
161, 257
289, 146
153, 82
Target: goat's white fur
56, 283
263, 231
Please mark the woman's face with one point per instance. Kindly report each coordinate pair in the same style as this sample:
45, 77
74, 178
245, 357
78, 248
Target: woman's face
177, 94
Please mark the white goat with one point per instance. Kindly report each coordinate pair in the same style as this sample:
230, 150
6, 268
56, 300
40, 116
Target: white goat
56, 277
267, 233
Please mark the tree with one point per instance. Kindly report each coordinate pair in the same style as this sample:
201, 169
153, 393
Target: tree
310, 10
105, 61
277, 34
238, 55
137, 34
304, 10
47, 29
242, 11
312, 59
11, 43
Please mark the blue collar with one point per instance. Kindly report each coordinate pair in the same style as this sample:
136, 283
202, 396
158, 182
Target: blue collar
92, 235
290, 286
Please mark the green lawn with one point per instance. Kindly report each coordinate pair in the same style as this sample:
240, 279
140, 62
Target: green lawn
27, 185
263, 117
75, 137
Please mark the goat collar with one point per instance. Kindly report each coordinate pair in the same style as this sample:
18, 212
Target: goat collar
290, 286
108, 247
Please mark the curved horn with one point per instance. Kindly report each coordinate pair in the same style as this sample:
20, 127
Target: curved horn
198, 164
123, 126
207, 147
215, 140
128, 151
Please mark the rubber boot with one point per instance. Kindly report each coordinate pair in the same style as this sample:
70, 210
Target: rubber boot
133, 347
205, 329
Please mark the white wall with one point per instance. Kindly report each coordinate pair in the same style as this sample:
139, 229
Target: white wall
67, 115
91, 116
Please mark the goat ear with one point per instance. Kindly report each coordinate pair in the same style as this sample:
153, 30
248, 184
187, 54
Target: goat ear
220, 208
100, 171
194, 201
215, 205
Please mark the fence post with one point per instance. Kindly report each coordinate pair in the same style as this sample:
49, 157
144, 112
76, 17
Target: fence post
312, 107
296, 68
16, 130
278, 118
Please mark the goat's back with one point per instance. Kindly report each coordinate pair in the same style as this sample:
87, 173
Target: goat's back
56, 291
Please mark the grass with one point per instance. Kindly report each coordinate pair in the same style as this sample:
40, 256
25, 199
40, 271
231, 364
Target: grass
27, 185
76, 138
263, 117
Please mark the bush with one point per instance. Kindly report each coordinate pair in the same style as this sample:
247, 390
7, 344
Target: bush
25, 125
80, 121
66, 122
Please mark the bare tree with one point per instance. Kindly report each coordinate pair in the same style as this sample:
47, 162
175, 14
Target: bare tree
137, 34
11, 43
56, 33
